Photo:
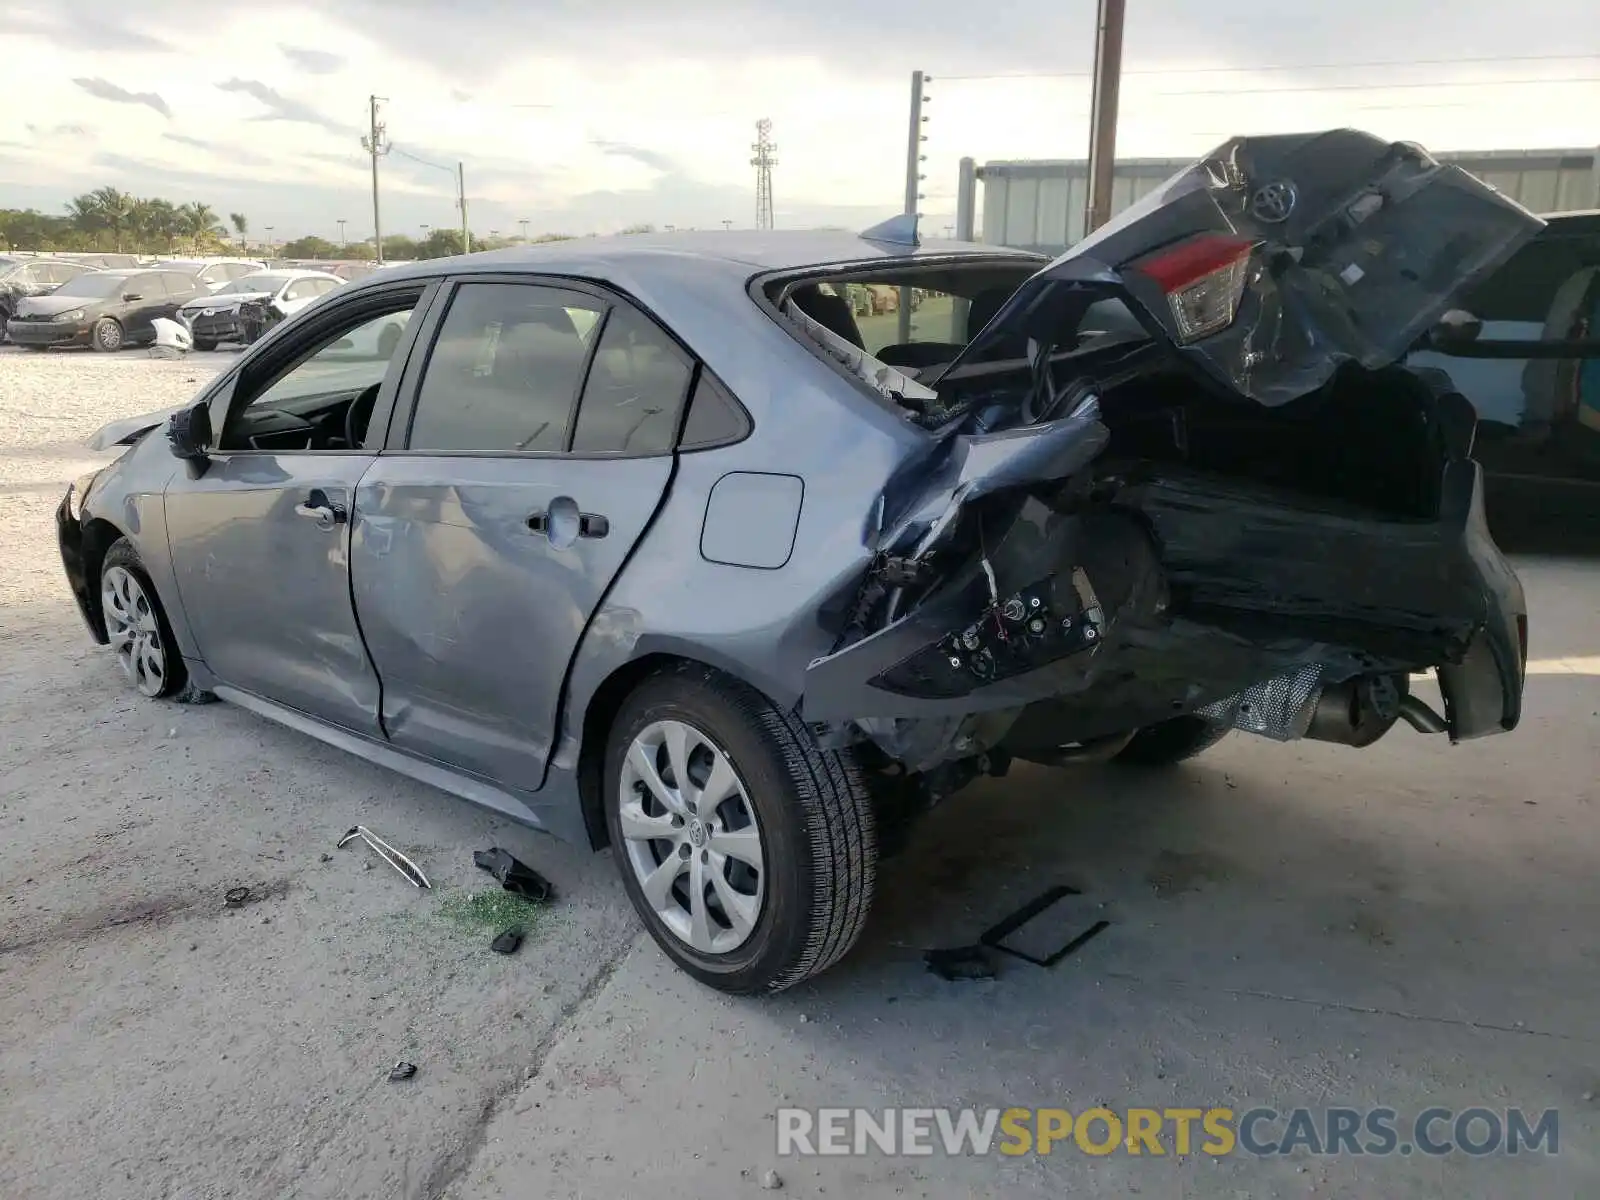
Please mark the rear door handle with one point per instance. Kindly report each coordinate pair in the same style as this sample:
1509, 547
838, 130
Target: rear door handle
590, 525
323, 511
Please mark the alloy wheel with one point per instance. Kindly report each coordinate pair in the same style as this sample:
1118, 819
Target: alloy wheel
134, 632
692, 837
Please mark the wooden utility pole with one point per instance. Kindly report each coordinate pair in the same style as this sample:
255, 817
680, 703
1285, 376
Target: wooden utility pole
1103, 113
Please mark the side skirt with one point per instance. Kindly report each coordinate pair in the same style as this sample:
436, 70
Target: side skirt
554, 811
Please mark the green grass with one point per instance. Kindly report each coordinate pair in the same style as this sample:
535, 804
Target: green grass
492, 909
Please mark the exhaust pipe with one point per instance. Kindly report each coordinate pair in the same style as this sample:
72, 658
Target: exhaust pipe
1359, 711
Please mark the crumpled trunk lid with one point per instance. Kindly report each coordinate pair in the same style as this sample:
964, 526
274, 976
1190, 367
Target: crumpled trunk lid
1350, 249
1051, 562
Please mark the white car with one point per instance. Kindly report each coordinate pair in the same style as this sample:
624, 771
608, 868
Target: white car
242, 310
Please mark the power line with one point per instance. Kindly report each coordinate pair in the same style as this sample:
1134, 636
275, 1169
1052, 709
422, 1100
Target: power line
424, 162
1253, 70
1382, 87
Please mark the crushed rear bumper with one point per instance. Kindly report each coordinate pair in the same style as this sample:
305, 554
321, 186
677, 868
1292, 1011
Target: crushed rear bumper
1178, 591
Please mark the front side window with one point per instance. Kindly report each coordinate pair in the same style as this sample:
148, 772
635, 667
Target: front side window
634, 391
505, 369
309, 400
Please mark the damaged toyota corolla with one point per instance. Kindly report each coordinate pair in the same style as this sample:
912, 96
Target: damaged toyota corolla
651, 542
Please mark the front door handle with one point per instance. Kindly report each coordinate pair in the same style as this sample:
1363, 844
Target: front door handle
323, 511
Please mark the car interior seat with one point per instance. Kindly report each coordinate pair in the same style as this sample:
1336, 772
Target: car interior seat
830, 311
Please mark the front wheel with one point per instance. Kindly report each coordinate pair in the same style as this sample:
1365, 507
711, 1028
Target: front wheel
205, 343
137, 625
106, 336
749, 852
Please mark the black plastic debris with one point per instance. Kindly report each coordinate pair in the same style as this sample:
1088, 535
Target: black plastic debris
236, 897
996, 937
960, 963
401, 1071
507, 942
513, 874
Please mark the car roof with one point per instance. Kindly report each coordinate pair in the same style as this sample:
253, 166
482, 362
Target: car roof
665, 254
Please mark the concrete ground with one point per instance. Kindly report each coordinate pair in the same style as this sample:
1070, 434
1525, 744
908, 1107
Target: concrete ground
1409, 926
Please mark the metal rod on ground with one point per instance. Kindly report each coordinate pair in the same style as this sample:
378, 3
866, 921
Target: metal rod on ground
914, 157
1103, 113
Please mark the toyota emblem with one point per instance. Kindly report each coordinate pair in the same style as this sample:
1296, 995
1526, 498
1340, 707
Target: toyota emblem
1273, 202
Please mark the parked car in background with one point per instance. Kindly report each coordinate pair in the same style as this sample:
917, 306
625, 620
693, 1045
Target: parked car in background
103, 262
103, 309
212, 273
21, 277
245, 308
1538, 419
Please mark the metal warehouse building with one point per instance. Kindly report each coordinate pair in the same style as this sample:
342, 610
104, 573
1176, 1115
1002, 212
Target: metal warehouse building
1038, 204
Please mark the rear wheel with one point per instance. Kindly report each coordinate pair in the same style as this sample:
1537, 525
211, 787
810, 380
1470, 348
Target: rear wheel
106, 336
748, 851
1171, 741
137, 624
205, 343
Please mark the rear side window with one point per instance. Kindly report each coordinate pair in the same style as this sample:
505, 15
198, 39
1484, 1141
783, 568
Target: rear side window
715, 418
635, 389
177, 284
505, 370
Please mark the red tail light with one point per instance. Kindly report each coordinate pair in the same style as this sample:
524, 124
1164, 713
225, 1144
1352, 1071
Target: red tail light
1204, 280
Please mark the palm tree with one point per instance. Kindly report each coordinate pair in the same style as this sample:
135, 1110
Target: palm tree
157, 221
116, 210
197, 220
241, 226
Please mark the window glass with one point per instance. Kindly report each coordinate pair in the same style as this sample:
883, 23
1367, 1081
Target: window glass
300, 289
714, 418
876, 307
341, 367
635, 389
32, 275
179, 285
147, 287
504, 370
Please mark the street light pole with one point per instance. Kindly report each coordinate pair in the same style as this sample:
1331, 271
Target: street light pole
342, 242
524, 223
461, 197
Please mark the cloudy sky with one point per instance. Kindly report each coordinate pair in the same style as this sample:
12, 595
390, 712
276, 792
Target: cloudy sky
588, 115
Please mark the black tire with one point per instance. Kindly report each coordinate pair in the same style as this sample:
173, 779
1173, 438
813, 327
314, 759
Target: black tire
35, 349
106, 336
123, 554
1171, 742
5, 315
814, 810
205, 343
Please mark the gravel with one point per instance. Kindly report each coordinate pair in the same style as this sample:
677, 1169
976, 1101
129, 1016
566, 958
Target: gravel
49, 403
156, 1044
